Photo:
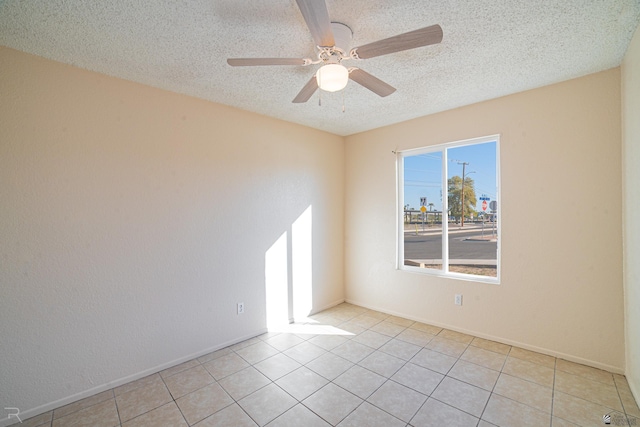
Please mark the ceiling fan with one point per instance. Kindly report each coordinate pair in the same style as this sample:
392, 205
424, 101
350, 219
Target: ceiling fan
331, 39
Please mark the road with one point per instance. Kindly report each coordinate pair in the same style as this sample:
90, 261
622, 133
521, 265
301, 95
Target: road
430, 246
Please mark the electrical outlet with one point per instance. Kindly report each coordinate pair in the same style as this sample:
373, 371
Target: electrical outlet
458, 299
240, 308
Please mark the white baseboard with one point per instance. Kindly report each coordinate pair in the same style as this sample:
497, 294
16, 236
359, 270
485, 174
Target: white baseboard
30, 413
569, 357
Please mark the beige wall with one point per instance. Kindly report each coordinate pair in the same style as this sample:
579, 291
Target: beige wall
133, 221
560, 163
631, 178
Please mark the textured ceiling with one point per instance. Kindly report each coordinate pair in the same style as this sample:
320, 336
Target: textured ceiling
490, 48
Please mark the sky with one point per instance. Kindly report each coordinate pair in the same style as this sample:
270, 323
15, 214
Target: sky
423, 173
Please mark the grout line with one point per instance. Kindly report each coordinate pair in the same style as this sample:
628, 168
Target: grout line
553, 390
340, 321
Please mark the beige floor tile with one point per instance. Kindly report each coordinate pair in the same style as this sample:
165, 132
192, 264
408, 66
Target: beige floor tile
179, 368
398, 400
353, 351
167, 416
329, 320
332, 403
634, 420
377, 314
298, 416
505, 412
329, 365
142, 382
37, 421
187, 381
245, 343
523, 391
447, 346
629, 404
494, 346
270, 334
415, 336
483, 357
473, 374
559, 422
580, 411
424, 327
370, 416
103, 414
466, 397
532, 356
231, 416
243, 383
372, 339
399, 364
418, 378
303, 330
354, 308
455, 336
342, 315
277, 366
267, 404
365, 321
201, 403
283, 342
81, 404
437, 414
256, 352
433, 360
360, 381
529, 371
594, 391
400, 321
388, 328
226, 365
142, 399
400, 349
305, 352
302, 383
621, 382
328, 342
585, 371
351, 329
382, 363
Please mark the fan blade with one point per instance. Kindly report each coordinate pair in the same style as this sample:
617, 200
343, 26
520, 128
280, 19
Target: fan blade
244, 62
307, 91
317, 18
417, 38
372, 83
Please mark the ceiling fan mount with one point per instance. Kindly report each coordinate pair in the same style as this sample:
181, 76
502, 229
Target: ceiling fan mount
333, 40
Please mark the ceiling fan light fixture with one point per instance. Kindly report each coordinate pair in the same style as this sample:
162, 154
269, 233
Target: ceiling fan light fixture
332, 77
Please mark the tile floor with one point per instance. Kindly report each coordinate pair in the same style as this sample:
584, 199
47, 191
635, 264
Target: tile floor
349, 366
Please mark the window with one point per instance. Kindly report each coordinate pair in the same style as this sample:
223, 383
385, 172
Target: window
449, 209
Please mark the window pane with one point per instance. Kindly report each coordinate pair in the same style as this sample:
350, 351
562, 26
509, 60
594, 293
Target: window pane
471, 187
423, 210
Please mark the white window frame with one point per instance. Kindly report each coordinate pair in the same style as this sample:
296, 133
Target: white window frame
442, 148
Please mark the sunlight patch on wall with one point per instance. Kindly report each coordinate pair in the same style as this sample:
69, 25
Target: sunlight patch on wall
277, 283
302, 264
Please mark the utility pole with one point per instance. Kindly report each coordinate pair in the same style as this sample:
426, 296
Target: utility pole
462, 194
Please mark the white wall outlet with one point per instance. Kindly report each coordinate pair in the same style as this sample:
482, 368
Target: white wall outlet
240, 308
458, 299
